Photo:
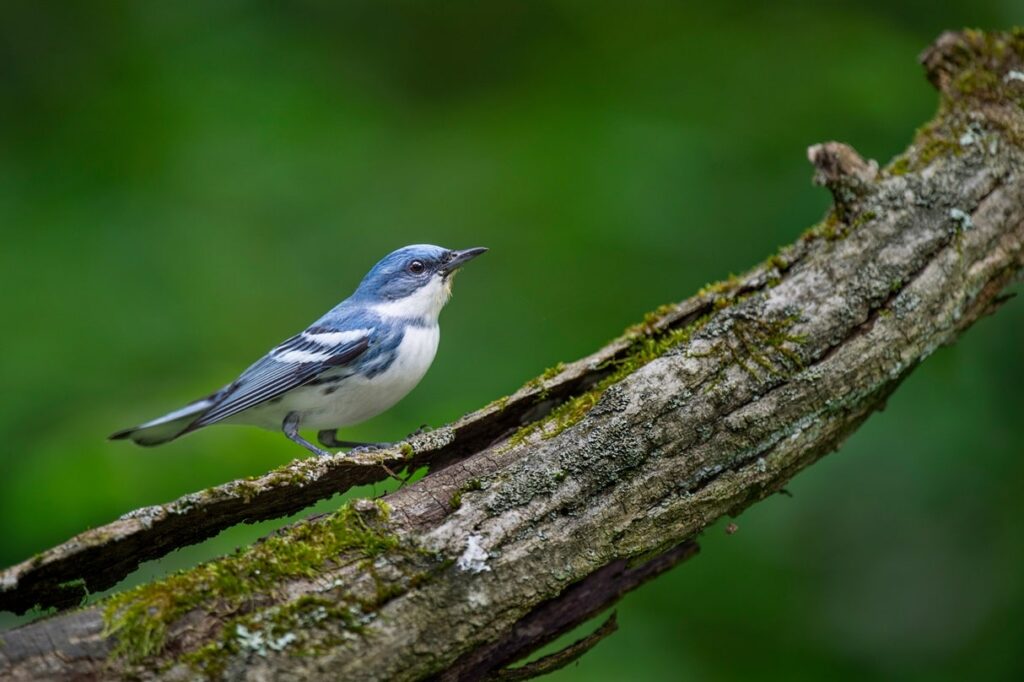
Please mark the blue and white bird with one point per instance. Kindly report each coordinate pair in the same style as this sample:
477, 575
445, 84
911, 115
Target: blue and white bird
353, 363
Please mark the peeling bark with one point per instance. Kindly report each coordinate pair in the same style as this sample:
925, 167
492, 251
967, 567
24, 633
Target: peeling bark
706, 408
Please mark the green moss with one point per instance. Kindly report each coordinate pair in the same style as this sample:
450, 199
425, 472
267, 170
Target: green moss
552, 372
767, 344
725, 286
937, 139
922, 154
407, 450
537, 383
830, 228
139, 618
247, 490
778, 262
500, 404
643, 350
900, 165
650, 322
837, 224
935, 147
973, 82
863, 218
210, 659
472, 484
761, 348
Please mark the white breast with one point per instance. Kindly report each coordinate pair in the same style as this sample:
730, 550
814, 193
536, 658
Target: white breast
358, 398
413, 358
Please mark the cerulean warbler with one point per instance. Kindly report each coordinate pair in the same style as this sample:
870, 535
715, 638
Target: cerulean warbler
353, 363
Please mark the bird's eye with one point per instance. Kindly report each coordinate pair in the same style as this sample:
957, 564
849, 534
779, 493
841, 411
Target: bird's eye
417, 267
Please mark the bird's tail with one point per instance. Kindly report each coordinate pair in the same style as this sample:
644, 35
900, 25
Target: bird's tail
168, 427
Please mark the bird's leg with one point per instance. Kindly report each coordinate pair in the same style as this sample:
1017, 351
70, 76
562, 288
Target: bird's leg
290, 426
329, 439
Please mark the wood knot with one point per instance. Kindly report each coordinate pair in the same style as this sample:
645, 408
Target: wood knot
839, 167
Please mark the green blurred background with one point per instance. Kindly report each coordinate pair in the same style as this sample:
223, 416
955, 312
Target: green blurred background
182, 185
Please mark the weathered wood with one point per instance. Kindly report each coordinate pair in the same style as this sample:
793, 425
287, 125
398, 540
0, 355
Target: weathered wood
574, 606
710, 406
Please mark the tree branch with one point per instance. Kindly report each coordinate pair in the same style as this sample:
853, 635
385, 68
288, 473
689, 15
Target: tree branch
542, 509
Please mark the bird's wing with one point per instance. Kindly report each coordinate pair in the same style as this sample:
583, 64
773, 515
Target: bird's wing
295, 362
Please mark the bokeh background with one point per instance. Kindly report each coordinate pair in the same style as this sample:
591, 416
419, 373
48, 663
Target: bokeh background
182, 185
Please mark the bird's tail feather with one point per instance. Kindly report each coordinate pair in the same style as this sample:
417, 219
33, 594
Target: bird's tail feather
168, 427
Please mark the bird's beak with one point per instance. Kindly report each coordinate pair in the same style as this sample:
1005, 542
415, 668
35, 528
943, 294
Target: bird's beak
460, 257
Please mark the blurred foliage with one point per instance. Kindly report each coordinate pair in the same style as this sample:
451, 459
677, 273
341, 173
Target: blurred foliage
182, 185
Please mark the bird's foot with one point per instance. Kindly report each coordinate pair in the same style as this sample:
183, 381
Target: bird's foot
329, 439
357, 448
419, 432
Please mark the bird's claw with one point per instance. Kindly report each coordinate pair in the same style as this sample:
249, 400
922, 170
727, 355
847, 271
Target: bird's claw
419, 432
368, 447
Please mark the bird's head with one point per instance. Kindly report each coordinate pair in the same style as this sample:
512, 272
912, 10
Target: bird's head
414, 281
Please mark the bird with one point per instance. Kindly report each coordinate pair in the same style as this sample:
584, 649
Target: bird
355, 362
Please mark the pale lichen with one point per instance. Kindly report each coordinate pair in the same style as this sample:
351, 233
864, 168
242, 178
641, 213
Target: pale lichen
474, 557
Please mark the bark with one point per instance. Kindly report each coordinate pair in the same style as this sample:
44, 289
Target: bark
542, 509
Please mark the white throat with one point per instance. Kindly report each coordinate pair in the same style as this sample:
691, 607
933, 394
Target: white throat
425, 303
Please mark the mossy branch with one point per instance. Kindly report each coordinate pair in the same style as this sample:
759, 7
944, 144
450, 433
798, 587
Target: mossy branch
543, 508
